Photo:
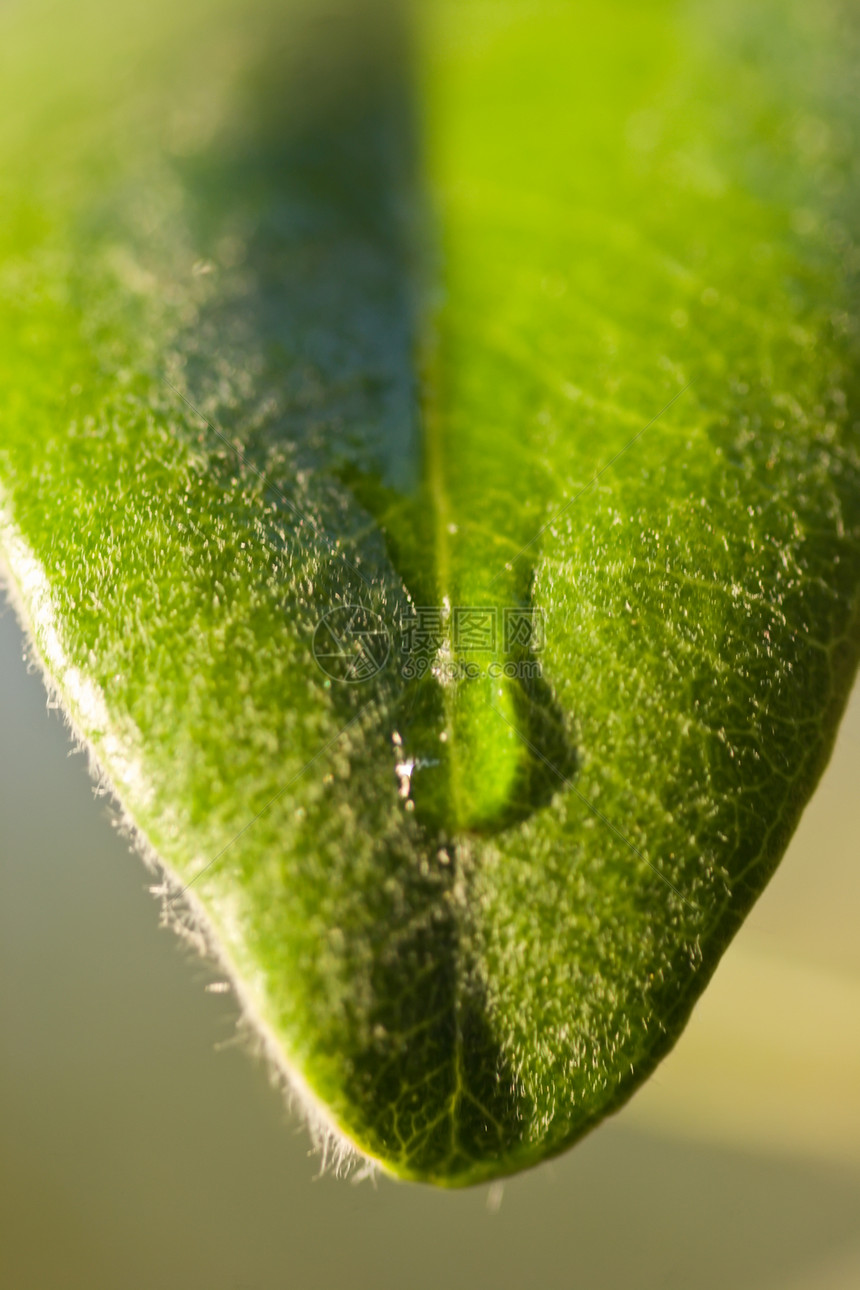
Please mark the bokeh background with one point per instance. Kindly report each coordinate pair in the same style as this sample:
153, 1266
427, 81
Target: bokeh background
142, 1146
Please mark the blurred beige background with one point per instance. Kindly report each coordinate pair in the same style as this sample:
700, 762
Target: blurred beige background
141, 1147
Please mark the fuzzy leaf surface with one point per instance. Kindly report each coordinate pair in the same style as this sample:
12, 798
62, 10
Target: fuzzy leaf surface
532, 309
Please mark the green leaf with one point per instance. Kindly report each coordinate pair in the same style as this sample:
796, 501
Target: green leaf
545, 312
